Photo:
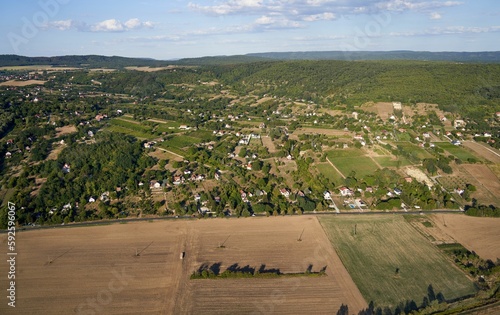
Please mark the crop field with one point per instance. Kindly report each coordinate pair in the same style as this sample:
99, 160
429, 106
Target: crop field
329, 172
392, 262
488, 153
389, 161
135, 268
22, 83
344, 160
410, 147
489, 182
459, 152
481, 235
180, 142
127, 131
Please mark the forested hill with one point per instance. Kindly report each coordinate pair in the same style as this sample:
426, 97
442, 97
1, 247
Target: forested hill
89, 61
96, 61
482, 56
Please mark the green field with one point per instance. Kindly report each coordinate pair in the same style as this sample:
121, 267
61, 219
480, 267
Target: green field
352, 160
388, 161
180, 143
384, 244
414, 149
330, 173
460, 152
135, 133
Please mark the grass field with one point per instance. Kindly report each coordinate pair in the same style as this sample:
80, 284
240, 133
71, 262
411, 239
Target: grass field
410, 147
352, 160
330, 173
181, 141
137, 134
459, 152
387, 161
384, 244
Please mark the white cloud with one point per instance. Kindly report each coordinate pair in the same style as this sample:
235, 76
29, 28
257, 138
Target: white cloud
450, 30
111, 25
435, 16
317, 17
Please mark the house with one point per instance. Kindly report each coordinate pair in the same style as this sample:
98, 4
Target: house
456, 142
197, 197
458, 123
426, 135
327, 195
66, 207
217, 176
409, 179
91, 199
358, 137
344, 191
300, 193
398, 191
369, 189
184, 127
8, 155
104, 196
249, 166
397, 105
154, 184
243, 196
178, 180
285, 192
217, 199
66, 168
459, 191
355, 115
487, 134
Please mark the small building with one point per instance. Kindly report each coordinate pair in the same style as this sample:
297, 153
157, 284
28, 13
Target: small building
91, 199
397, 105
285, 192
344, 191
327, 195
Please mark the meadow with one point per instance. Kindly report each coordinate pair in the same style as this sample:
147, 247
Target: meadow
391, 262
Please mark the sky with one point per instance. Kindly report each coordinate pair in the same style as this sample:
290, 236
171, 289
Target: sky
171, 29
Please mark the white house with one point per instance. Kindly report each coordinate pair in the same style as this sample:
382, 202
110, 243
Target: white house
91, 199
344, 191
285, 192
327, 195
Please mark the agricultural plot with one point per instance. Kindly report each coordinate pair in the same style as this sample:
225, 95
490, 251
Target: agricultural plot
391, 262
131, 127
389, 161
180, 142
480, 235
135, 268
490, 154
411, 148
329, 172
489, 182
352, 160
459, 152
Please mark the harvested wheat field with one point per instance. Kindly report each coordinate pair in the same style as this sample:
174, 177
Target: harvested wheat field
481, 235
489, 187
135, 268
22, 83
484, 151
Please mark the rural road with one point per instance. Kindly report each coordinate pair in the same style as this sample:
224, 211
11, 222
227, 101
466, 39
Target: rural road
188, 217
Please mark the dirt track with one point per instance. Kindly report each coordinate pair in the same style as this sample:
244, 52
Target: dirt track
71, 270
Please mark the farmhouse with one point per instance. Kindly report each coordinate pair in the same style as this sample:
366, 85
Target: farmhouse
285, 192
154, 184
397, 105
327, 195
344, 191
458, 123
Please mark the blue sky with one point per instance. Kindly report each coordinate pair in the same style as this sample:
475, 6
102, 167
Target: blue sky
169, 29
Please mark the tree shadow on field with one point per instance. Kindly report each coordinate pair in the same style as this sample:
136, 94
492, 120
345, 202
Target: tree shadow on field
236, 268
262, 269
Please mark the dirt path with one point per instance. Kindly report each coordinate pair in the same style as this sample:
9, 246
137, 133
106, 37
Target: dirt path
173, 153
336, 169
